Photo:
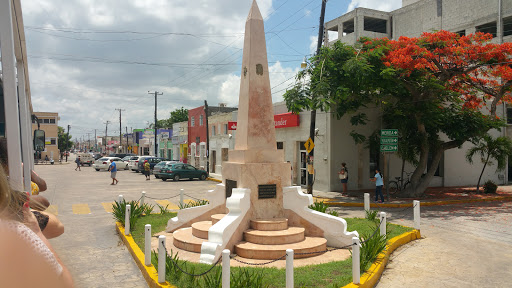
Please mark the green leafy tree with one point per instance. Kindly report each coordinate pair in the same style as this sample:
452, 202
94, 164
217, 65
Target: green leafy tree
431, 88
489, 148
178, 115
64, 140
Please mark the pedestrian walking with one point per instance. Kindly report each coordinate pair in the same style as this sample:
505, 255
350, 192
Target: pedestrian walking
77, 161
113, 171
147, 168
343, 175
46, 159
379, 182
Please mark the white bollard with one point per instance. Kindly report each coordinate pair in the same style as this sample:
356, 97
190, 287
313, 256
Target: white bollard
356, 273
120, 199
416, 205
182, 191
289, 268
161, 258
142, 198
382, 223
147, 245
366, 202
226, 270
127, 220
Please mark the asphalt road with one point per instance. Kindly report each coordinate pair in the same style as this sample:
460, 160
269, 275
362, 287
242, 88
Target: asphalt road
464, 245
90, 246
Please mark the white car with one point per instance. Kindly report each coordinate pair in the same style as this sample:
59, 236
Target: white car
104, 162
133, 163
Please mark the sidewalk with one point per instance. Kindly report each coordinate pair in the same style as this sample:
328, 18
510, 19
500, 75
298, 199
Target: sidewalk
433, 196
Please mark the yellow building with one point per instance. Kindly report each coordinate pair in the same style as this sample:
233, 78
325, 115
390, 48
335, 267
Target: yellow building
48, 121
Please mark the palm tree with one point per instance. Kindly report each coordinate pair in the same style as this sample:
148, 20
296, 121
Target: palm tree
487, 147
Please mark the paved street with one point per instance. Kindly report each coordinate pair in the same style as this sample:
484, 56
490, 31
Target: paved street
90, 246
465, 245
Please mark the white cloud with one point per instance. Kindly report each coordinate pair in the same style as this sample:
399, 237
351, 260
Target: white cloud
380, 5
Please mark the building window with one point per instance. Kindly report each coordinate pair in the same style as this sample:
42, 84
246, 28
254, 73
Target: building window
200, 120
348, 27
46, 121
490, 28
192, 121
375, 25
461, 33
279, 145
213, 130
198, 139
52, 121
53, 141
225, 129
507, 26
509, 115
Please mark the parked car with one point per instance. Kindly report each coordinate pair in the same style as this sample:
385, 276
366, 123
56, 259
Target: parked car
133, 163
103, 163
140, 167
160, 165
85, 159
121, 155
152, 162
97, 156
179, 171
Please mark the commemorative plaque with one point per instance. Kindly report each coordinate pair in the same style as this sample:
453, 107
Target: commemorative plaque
267, 191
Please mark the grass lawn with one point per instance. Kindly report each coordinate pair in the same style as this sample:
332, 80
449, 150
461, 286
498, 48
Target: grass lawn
334, 274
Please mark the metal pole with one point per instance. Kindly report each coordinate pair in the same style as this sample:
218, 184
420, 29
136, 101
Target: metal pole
156, 144
207, 139
161, 258
313, 111
147, 245
226, 269
67, 144
289, 268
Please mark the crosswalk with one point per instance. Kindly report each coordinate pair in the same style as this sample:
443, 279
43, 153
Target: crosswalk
84, 208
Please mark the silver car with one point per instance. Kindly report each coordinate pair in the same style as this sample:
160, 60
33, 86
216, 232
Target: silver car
103, 163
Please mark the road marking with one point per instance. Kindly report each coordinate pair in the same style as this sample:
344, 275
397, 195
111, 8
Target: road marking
108, 206
53, 209
170, 205
81, 209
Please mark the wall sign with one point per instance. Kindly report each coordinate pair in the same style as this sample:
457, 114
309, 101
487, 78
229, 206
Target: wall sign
267, 191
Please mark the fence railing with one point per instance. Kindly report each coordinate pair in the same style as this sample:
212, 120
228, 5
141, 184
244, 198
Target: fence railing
227, 256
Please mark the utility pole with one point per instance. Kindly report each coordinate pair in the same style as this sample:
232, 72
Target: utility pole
126, 139
207, 139
120, 129
156, 144
106, 130
95, 142
88, 141
313, 111
67, 143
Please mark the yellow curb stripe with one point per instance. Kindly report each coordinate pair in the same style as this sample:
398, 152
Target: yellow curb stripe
108, 206
213, 179
81, 209
149, 272
53, 209
426, 203
170, 205
372, 276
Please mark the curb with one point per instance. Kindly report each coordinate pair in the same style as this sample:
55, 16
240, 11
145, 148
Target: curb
372, 276
334, 203
214, 179
149, 272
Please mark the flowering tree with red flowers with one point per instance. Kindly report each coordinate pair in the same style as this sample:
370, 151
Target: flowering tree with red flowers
440, 90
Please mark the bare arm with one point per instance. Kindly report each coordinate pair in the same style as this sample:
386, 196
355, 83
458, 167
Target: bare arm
39, 181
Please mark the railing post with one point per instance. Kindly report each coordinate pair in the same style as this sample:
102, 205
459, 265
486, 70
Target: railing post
120, 199
127, 219
356, 273
182, 191
226, 270
289, 268
416, 205
147, 245
367, 202
161, 258
382, 223
142, 199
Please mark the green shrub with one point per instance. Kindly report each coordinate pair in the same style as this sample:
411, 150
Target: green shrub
119, 212
319, 206
490, 187
371, 215
194, 203
371, 248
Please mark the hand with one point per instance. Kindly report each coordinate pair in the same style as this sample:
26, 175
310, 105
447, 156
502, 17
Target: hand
29, 219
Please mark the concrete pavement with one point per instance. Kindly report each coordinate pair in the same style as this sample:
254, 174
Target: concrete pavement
90, 246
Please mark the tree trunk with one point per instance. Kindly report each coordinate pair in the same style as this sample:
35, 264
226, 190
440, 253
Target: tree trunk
481, 173
418, 186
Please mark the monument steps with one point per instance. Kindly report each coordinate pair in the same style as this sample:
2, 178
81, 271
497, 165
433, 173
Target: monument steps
273, 224
184, 239
200, 229
216, 218
276, 237
270, 252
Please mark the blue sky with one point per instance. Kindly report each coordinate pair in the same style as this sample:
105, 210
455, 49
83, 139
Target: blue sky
89, 57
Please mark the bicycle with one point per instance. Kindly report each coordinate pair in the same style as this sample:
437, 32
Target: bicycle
399, 185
